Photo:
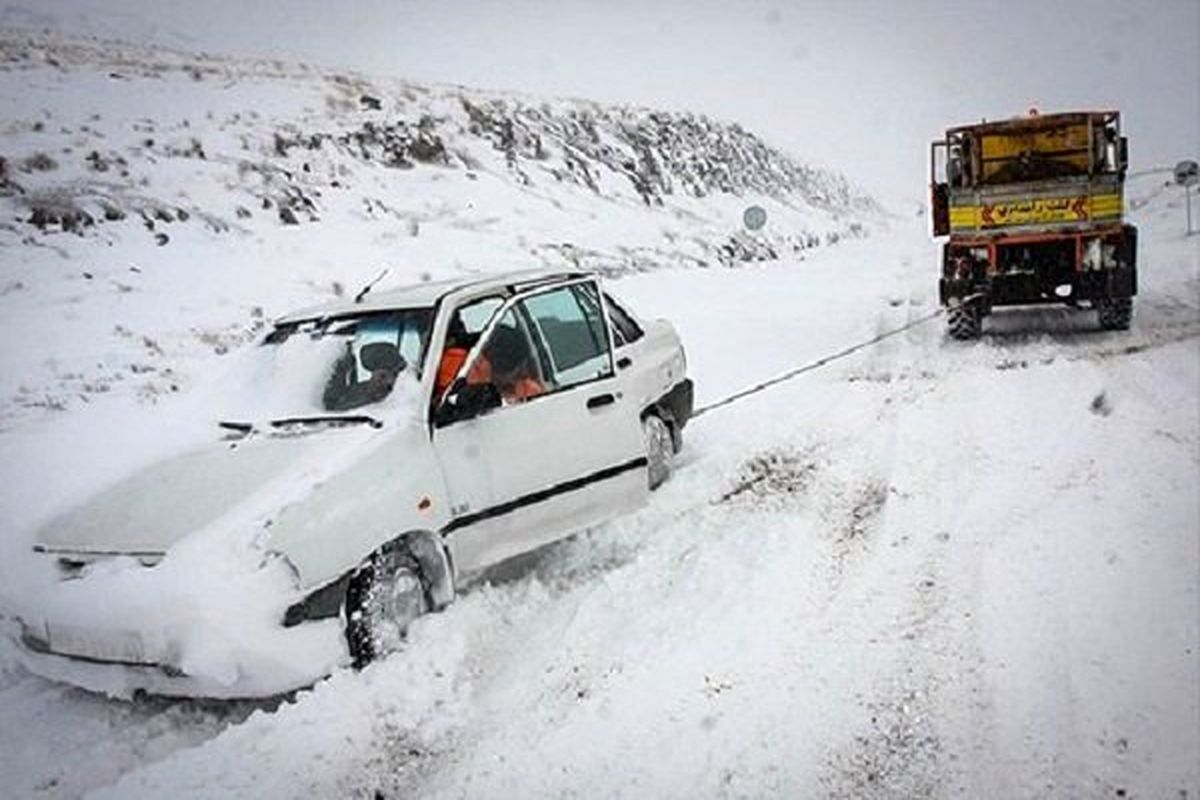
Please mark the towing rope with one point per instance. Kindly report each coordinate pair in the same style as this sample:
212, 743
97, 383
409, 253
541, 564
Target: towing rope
820, 362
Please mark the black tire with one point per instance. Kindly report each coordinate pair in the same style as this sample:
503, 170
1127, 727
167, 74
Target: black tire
1115, 313
660, 450
964, 321
382, 600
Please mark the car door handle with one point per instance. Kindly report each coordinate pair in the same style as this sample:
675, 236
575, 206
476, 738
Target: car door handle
624, 362
601, 400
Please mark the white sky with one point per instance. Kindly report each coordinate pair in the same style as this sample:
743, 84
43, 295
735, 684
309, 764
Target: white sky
859, 85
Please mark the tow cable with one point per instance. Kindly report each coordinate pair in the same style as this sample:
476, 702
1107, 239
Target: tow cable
820, 362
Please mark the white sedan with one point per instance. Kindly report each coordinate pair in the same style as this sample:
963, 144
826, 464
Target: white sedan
396, 444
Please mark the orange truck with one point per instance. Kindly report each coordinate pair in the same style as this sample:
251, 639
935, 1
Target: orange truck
1033, 210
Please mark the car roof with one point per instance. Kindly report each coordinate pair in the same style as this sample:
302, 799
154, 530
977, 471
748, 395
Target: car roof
429, 293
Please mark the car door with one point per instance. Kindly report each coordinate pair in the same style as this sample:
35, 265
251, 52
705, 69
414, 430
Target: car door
562, 450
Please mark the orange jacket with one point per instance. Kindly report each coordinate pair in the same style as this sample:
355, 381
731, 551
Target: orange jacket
452, 361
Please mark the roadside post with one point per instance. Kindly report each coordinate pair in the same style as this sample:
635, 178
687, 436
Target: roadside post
1187, 175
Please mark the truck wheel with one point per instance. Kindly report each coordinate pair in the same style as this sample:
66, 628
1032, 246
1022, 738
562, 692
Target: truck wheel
1115, 313
660, 449
964, 321
382, 600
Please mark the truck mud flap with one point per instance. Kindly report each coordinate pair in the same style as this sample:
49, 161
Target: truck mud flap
1119, 282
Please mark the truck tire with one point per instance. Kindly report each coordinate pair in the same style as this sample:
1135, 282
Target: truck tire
383, 598
964, 321
1115, 313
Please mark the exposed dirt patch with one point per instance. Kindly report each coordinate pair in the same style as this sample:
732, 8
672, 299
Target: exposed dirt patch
853, 528
898, 755
774, 477
885, 376
1100, 405
870, 503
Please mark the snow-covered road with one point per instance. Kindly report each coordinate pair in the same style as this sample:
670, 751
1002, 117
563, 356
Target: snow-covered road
930, 569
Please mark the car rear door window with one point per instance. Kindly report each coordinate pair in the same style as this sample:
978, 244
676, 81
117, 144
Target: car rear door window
625, 330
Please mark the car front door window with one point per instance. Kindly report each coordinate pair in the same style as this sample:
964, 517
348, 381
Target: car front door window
571, 324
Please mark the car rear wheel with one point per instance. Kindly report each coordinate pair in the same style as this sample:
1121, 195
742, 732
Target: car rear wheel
660, 449
383, 598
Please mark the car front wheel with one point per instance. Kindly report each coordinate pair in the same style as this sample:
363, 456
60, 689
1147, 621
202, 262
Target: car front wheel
660, 449
383, 598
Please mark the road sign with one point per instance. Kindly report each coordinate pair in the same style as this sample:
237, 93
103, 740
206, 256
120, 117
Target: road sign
754, 217
1187, 173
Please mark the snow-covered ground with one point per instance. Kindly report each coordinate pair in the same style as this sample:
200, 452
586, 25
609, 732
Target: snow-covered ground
928, 569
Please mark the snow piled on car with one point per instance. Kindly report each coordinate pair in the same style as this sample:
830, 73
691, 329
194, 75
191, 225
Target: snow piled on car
211, 609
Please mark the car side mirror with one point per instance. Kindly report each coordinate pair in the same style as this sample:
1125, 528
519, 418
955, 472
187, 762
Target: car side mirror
940, 208
466, 401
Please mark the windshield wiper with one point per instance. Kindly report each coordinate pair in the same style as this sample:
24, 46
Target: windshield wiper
350, 419
243, 428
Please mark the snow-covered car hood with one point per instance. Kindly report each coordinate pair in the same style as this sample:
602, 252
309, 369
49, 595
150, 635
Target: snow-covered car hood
207, 619
148, 511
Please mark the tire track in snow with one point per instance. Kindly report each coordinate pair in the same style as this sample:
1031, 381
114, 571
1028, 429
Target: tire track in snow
896, 749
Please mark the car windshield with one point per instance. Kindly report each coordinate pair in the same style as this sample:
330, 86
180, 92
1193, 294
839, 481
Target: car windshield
345, 367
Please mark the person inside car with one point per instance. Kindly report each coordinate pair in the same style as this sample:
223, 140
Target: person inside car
513, 370
343, 392
458, 345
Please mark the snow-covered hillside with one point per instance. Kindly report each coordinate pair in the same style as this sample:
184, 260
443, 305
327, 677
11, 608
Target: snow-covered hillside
178, 200
931, 569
